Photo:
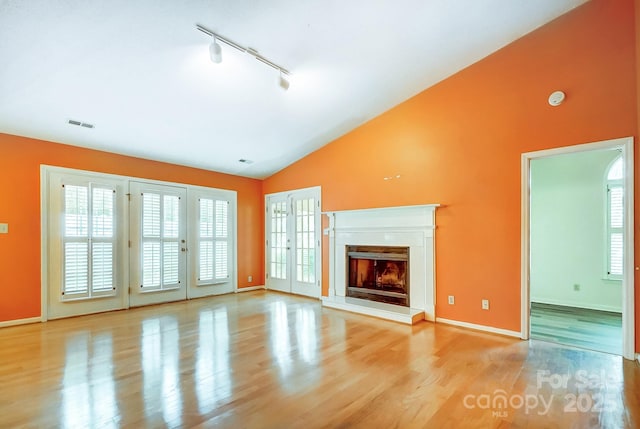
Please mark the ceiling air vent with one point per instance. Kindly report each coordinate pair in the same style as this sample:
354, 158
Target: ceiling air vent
80, 124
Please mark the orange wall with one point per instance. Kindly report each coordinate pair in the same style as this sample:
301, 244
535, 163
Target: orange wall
20, 161
459, 143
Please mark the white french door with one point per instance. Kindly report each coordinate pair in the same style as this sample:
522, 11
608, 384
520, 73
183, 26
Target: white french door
211, 228
293, 242
158, 246
86, 261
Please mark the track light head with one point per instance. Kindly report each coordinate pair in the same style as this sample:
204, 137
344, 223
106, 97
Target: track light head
215, 51
284, 81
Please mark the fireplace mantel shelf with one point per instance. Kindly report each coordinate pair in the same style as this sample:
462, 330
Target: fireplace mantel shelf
382, 209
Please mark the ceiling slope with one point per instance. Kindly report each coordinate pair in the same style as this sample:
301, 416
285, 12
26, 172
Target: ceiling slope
140, 71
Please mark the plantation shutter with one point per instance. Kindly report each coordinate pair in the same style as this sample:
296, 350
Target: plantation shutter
213, 241
160, 240
88, 241
615, 229
222, 240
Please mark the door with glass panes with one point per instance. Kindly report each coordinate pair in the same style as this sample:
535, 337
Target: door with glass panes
293, 242
85, 259
210, 248
158, 246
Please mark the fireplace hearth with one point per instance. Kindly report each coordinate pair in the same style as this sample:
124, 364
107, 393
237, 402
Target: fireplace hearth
378, 273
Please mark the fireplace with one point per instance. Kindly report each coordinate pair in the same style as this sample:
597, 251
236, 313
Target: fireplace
382, 262
378, 273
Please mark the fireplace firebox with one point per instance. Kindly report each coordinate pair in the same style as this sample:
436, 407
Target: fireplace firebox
378, 273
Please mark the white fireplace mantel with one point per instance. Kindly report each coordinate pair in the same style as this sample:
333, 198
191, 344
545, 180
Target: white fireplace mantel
410, 226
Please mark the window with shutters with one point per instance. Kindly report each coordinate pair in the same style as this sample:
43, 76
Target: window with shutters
213, 241
88, 240
160, 241
615, 219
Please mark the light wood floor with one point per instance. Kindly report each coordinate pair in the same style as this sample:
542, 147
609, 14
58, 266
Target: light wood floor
268, 360
579, 327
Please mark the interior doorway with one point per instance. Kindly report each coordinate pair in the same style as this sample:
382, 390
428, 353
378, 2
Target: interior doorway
293, 242
577, 266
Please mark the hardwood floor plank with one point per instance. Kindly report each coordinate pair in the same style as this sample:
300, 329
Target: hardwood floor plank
269, 360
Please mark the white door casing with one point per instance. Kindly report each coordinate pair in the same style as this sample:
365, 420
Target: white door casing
628, 307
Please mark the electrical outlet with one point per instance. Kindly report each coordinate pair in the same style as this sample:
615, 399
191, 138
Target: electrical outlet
250, 279
576, 287
452, 300
4, 228
485, 304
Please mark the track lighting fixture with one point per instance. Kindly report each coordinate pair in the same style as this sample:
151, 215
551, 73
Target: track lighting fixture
283, 81
215, 52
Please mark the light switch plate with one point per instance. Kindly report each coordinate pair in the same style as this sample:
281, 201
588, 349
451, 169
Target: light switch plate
4, 228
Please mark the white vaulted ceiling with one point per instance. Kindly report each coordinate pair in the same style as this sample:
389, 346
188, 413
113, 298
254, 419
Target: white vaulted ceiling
140, 71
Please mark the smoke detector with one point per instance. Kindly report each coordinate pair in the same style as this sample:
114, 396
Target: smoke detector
556, 98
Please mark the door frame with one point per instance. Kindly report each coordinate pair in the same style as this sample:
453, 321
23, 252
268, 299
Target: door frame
316, 190
628, 299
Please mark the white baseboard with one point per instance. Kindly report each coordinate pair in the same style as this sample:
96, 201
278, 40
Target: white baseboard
608, 308
484, 328
638, 357
20, 322
249, 288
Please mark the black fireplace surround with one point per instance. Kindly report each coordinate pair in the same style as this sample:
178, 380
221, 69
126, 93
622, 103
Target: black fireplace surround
378, 273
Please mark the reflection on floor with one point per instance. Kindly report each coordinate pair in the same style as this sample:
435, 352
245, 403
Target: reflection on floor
579, 327
269, 360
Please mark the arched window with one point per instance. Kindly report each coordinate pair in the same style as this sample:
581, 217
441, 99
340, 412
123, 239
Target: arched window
615, 219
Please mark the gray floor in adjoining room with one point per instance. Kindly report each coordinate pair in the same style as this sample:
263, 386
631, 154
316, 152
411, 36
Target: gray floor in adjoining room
579, 327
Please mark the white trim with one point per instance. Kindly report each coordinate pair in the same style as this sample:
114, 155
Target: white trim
560, 303
249, 288
476, 327
379, 209
628, 300
44, 242
638, 357
21, 322
628, 275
